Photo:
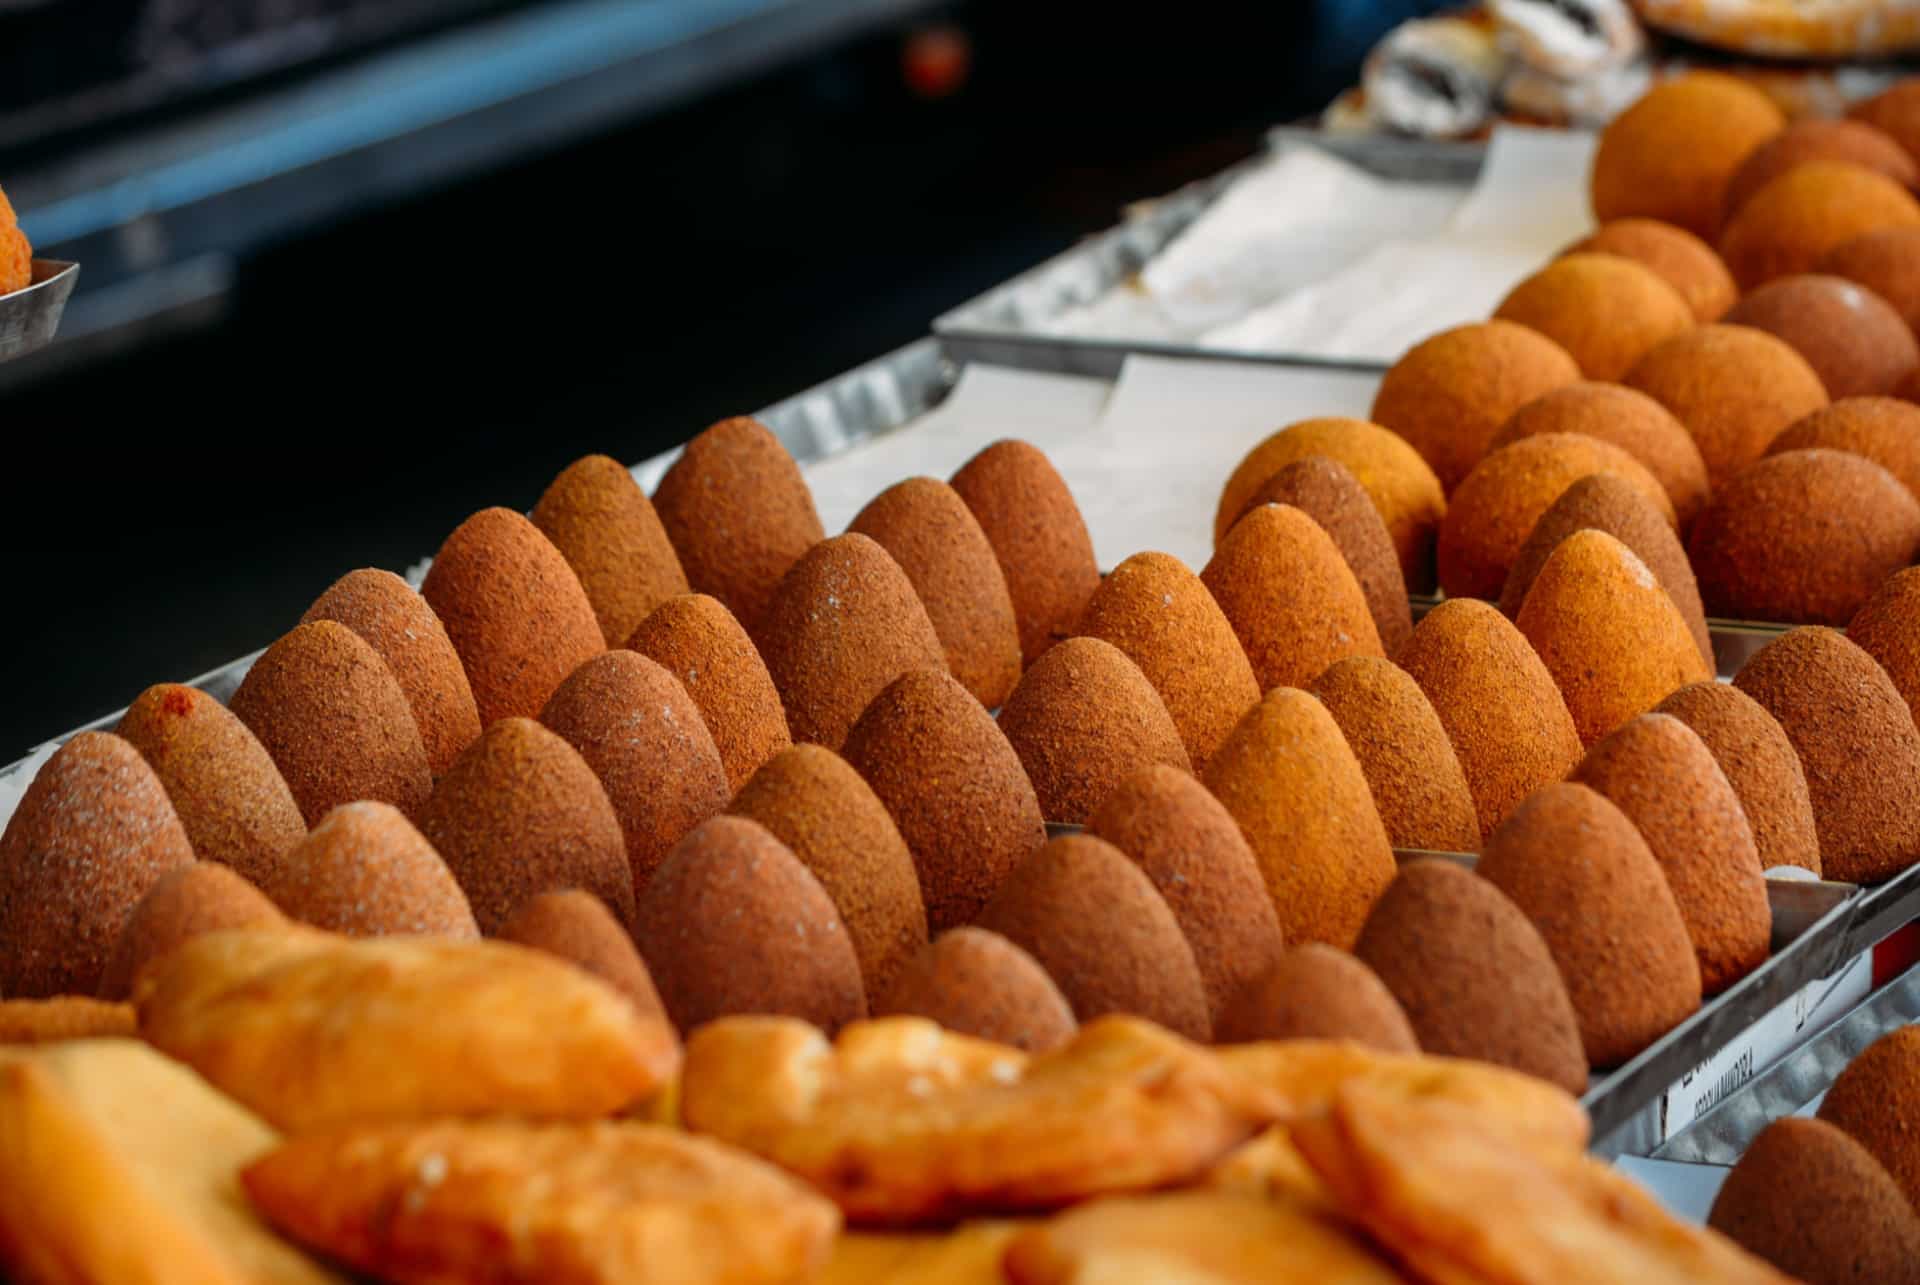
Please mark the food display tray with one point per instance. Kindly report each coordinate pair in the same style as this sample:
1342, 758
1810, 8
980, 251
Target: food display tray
1722, 1136
30, 316
1818, 926
1006, 326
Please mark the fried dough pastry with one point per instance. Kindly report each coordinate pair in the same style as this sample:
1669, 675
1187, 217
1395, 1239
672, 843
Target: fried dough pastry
511, 1201
1308, 1075
1185, 1236
119, 1165
1269, 1165
313, 1030
900, 1122
65, 1017
968, 1255
1457, 1203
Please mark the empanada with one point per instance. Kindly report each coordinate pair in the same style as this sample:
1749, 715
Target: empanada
1194, 1235
118, 1165
313, 1030
900, 1122
506, 1202
1307, 1074
1458, 1203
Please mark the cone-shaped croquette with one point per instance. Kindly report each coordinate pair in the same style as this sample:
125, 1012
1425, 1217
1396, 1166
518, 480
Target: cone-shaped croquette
1506, 718
92, 835
1418, 786
978, 983
1608, 633
697, 640
843, 624
1496, 508
813, 801
366, 872
733, 923
515, 611
231, 799
739, 515
954, 788
1473, 974
1083, 720
1325, 491
1759, 762
1193, 850
1450, 393
1658, 772
1578, 869
605, 527
1314, 992
1857, 743
938, 542
1153, 608
1029, 517
1290, 780
1094, 921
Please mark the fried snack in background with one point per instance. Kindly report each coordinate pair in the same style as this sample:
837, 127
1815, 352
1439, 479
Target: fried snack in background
117, 1164
1307, 1077
901, 1123
512, 1201
1456, 1202
1230, 1237
16, 255
65, 1017
312, 1030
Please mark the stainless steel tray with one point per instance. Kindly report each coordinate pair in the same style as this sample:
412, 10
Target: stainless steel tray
1003, 326
1817, 925
30, 316
1722, 1135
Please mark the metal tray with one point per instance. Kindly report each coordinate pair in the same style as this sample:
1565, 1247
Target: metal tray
1721, 1136
30, 316
1818, 926
1002, 326
1810, 922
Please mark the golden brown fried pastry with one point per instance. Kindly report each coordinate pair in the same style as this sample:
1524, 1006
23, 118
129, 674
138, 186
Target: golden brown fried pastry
1672, 153
65, 1017
93, 833
200, 898
1270, 1165
513, 1201
738, 514
968, 1255
1734, 387
397, 623
1225, 1236
312, 1030
117, 1164
938, 542
1675, 255
1038, 535
901, 1123
1451, 391
606, 528
1456, 1203
230, 798
1305, 1078
1793, 222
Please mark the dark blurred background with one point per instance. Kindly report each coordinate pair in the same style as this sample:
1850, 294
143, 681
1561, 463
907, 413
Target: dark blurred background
355, 268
